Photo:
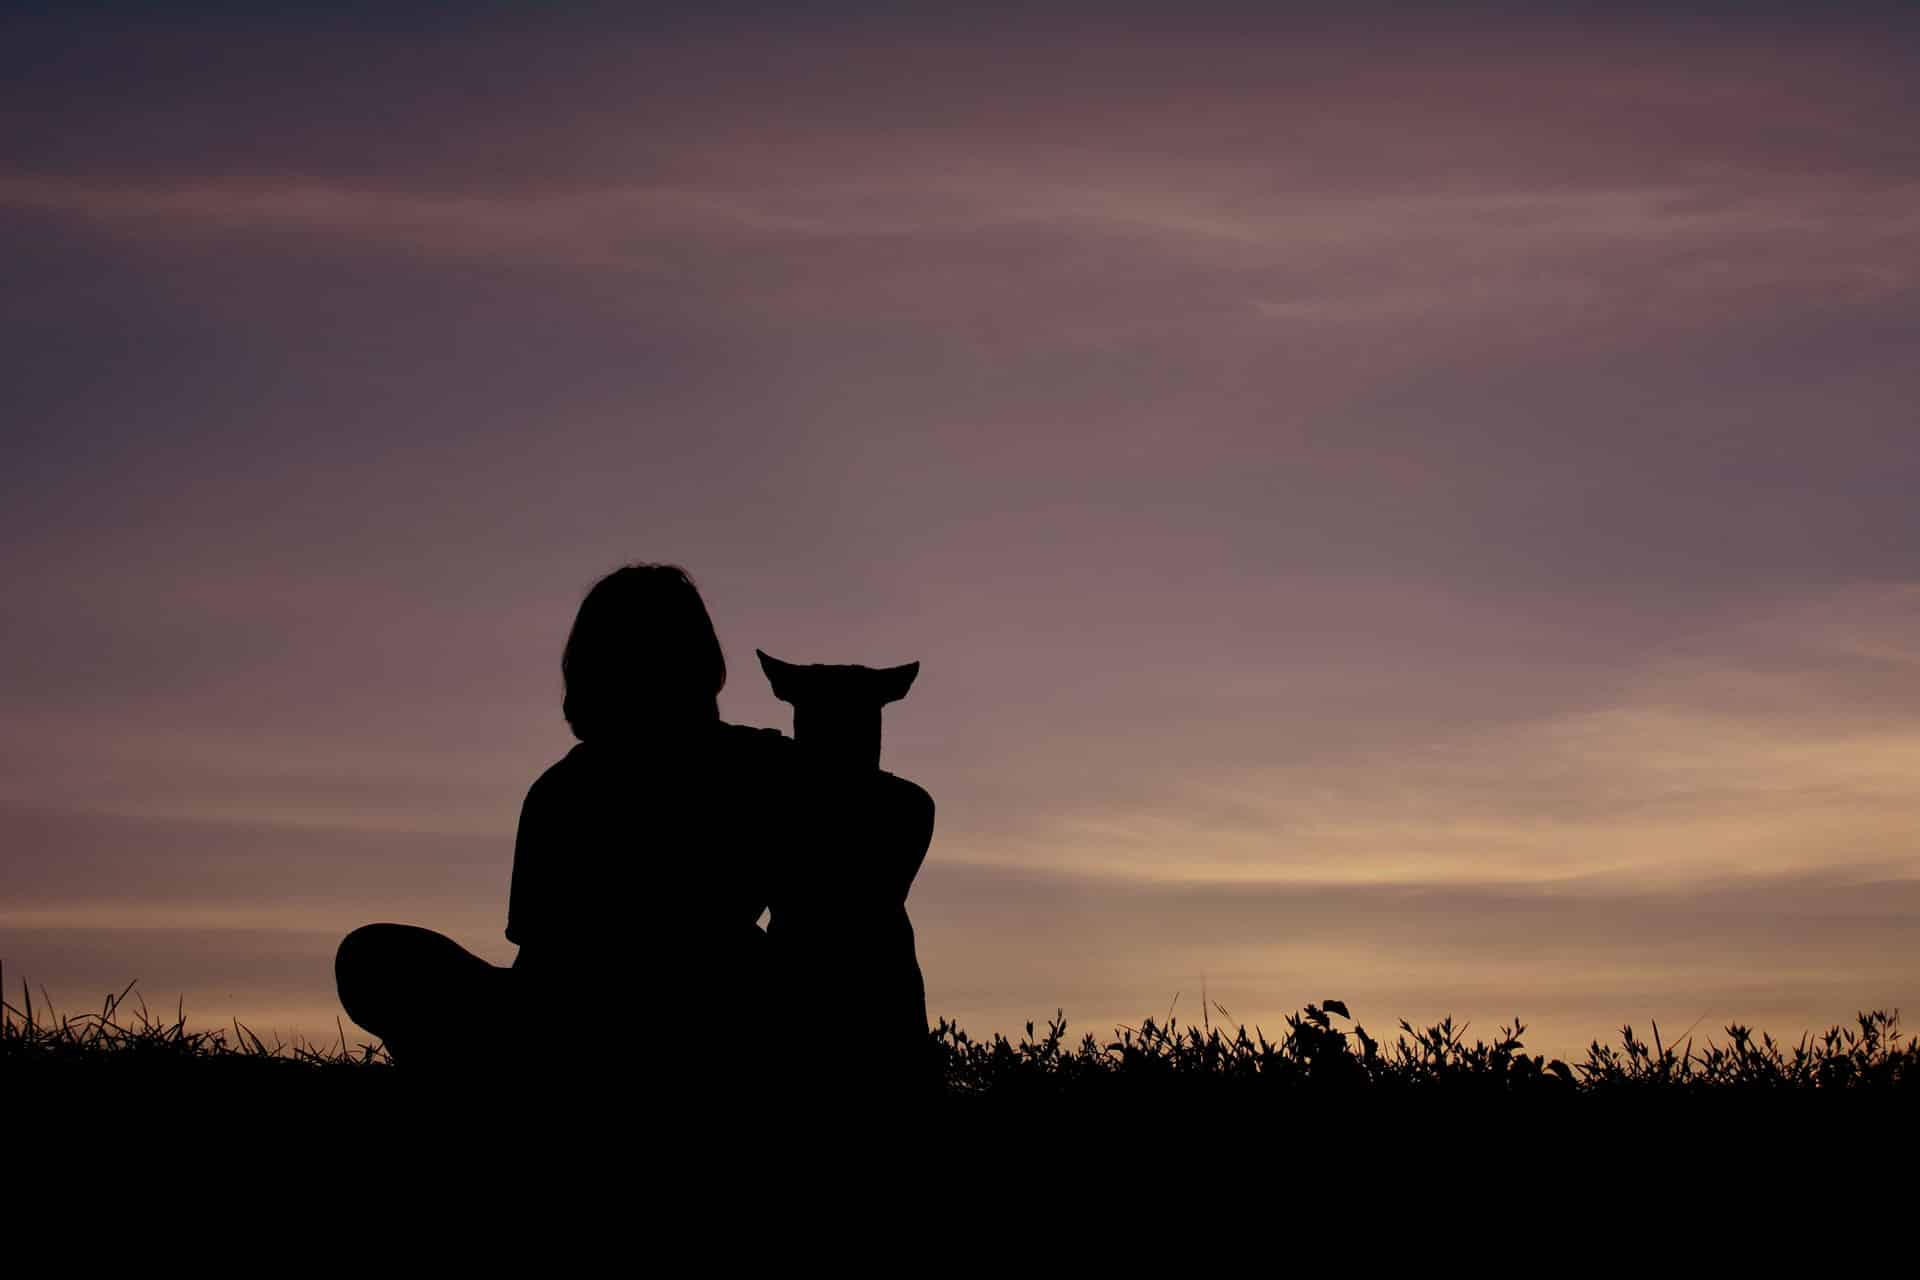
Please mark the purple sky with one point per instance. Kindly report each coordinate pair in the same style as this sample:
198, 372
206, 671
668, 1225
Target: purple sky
1413, 512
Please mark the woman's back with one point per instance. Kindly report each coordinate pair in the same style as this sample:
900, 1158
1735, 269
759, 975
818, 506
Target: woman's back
660, 853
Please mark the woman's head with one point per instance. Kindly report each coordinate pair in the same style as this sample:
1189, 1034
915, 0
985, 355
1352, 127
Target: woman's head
642, 655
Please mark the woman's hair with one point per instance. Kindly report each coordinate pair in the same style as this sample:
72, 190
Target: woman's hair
642, 653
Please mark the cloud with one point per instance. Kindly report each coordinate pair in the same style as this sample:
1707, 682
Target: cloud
1575, 959
1313, 255
1787, 741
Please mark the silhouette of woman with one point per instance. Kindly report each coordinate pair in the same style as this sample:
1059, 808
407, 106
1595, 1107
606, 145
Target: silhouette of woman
645, 858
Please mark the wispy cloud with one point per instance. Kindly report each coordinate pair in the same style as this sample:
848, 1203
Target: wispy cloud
1791, 741
1309, 253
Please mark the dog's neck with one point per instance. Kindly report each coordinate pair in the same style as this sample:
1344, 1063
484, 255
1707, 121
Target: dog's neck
846, 732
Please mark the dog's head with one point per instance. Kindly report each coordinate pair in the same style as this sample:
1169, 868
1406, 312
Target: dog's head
836, 709
824, 685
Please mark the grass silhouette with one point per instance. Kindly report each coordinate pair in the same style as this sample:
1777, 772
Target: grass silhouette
1321, 1048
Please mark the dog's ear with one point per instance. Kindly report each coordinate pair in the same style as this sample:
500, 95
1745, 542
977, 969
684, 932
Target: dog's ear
783, 676
890, 684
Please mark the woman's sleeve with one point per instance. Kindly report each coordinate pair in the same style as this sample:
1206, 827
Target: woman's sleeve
532, 854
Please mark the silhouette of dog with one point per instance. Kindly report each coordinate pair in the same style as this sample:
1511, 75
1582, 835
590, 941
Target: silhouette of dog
848, 928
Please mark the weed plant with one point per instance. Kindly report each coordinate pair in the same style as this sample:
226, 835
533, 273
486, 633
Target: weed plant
1320, 1049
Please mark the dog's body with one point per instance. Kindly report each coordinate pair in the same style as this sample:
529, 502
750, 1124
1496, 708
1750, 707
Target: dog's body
850, 921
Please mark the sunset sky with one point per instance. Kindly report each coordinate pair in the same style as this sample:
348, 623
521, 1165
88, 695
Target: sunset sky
1409, 509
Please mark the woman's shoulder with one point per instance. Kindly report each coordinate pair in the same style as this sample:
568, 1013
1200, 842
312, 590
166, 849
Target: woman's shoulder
557, 775
753, 742
730, 742
775, 752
